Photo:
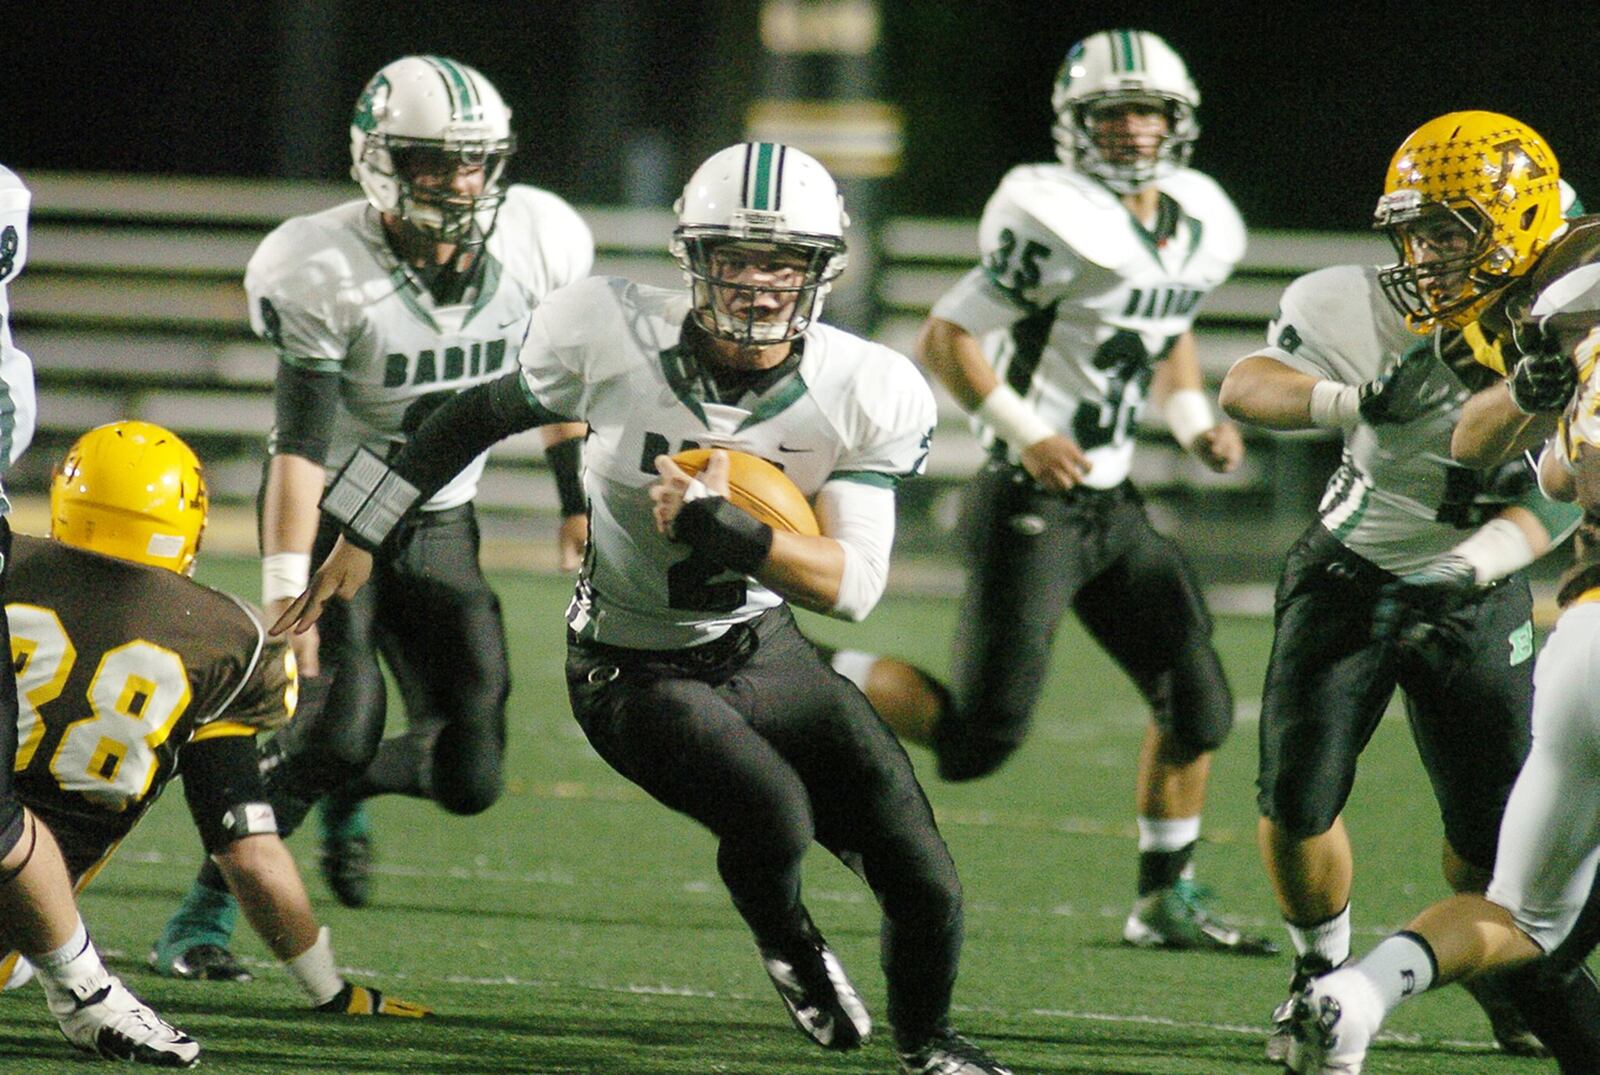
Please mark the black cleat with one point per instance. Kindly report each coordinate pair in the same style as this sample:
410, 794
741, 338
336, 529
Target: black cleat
346, 864
948, 1053
816, 991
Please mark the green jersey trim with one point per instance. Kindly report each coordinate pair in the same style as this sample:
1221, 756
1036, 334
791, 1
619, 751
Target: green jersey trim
876, 478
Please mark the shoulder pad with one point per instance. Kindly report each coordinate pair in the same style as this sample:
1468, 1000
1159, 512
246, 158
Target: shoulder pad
1321, 301
1068, 209
1202, 198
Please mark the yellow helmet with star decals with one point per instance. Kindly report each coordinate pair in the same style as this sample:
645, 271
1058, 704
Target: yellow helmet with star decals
131, 490
1470, 200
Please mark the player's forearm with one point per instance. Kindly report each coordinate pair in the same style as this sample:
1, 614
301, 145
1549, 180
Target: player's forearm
954, 356
263, 878
805, 570
289, 504
1492, 429
1264, 392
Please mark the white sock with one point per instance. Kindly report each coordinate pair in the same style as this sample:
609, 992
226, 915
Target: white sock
71, 971
855, 666
1400, 967
1330, 939
1167, 833
314, 970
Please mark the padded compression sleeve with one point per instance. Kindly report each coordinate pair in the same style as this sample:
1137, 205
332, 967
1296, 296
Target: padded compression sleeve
469, 424
304, 403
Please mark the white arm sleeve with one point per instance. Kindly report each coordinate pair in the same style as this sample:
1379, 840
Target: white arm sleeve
860, 518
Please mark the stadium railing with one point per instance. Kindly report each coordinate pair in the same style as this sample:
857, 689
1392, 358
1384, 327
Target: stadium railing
133, 306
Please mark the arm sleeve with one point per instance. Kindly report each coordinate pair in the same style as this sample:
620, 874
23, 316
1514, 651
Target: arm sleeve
464, 427
861, 519
305, 402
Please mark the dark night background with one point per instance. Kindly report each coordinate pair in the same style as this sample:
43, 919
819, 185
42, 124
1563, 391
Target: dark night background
1302, 105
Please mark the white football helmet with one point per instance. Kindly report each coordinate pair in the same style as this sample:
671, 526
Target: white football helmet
1120, 67
757, 201
426, 117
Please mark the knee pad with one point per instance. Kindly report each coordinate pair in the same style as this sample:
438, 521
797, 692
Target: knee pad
1302, 816
467, 797
1199, 709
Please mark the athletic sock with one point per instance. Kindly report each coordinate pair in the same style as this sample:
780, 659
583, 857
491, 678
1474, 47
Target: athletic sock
63, 971
1401, 966
1329, 939
1166, 846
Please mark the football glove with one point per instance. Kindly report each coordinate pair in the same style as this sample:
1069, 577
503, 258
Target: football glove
360, 1000
1542, 382
1396, 395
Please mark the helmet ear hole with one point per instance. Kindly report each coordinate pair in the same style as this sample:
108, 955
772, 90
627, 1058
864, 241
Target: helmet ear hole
1528, 216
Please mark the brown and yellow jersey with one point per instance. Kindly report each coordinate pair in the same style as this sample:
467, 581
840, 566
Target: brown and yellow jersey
118, 666
1509, 318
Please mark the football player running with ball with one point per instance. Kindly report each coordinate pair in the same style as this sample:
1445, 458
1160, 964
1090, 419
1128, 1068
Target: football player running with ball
1526, 284
380, 309
1084, 307
685, 667
1411, 576
127, 669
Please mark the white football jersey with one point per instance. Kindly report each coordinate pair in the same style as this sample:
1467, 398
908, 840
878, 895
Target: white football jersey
1075, 301
328, 292
18, 405
607, 351
1397, 497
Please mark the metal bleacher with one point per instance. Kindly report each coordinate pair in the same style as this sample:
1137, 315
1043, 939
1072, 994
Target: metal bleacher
132, 305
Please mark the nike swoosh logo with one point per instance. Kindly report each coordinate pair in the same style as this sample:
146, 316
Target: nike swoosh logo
792, 451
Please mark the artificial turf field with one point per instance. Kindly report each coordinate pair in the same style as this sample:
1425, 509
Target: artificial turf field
580, 927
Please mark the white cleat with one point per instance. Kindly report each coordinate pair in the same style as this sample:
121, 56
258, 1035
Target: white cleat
113, 1023
1333, 1021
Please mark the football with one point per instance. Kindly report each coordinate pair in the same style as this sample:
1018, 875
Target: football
759, 488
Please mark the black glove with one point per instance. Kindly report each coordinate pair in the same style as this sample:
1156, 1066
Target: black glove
1395, 396
1542, 382
1409, 609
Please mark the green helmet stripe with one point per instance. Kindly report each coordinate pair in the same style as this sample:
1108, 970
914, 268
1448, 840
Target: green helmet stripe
761, 177
464, 100
1126, 61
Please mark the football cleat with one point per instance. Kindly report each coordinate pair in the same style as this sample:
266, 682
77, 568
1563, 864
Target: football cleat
361, 1000
346, 857
948, 1053
15, 972
113, 1023
346, 864
1332, 1022
200, 963
206, 916
1306, 968
816, 991
1177, 917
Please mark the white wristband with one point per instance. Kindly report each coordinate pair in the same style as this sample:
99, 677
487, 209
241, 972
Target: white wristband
1012, 420
284, 574
1188, 415
1495, 550
1335, 405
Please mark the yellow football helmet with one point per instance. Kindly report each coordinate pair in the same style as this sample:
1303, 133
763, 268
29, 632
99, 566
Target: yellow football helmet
131, 490
1470, 201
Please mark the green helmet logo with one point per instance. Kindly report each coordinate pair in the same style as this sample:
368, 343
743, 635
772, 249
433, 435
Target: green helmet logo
370, 103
